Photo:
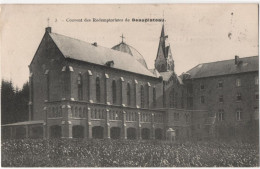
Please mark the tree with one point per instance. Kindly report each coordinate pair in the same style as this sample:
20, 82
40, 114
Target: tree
7, 101
14, 103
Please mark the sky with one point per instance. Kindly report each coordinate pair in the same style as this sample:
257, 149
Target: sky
197, 33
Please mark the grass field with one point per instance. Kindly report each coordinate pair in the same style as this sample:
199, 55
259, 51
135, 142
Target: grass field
116, 153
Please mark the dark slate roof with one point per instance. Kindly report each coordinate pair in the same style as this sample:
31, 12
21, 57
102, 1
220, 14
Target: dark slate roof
24, 123
248, 64
167, 48
83, 51
123, 47
162, 32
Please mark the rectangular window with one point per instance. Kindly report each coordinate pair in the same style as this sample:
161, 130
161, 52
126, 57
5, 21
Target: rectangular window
238, 115
238, 82
189, 89
221, 99
256, 110
220, 84
202, 99
256, 80
202, 87
176, 116
239, 98
221, 115
256, 95
190, 102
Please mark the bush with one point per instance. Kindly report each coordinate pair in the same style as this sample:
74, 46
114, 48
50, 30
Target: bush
126, 153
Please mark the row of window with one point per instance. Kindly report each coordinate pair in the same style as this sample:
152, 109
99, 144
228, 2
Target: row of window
144, 117
221, 98
238, 83
221, 115
130, 116
114, 92
176, 117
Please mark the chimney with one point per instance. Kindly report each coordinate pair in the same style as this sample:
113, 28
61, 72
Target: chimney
110, 63
236, 60
48, 29
94, 44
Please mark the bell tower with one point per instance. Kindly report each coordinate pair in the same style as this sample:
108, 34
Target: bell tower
164, 61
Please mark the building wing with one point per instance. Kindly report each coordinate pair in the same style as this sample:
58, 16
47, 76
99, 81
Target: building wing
247, 64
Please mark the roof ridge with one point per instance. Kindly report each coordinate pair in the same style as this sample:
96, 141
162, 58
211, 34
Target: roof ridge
224, 60
91, 43
78, 40
224, 67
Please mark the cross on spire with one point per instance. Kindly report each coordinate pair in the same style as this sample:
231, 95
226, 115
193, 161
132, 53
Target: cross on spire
163, 17
122, 38
48, 21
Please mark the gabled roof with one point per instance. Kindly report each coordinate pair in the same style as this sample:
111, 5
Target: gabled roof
83, 51
247, 64
155, 72
167, 75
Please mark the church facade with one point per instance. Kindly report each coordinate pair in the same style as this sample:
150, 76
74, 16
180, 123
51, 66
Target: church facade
83, 90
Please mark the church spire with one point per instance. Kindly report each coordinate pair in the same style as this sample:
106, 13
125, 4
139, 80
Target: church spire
162, 32
164, 61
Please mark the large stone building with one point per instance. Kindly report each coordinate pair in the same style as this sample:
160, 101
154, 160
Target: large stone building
79, 89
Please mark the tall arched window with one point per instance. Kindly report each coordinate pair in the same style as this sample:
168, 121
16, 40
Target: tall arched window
114, 91
142, 96
171, 98
48, 85
154, 97
80, 91
128, 93
98, 89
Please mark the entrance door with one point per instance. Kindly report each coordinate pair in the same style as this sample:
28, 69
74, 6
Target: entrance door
55, 131
131, 133
145, 133
78, 131
98, 132
115, 133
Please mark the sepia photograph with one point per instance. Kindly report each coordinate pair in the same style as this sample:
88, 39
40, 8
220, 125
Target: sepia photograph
130, 85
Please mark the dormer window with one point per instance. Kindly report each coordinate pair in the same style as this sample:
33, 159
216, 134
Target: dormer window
110, 63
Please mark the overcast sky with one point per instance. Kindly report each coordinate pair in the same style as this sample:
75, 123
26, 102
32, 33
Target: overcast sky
198, 33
